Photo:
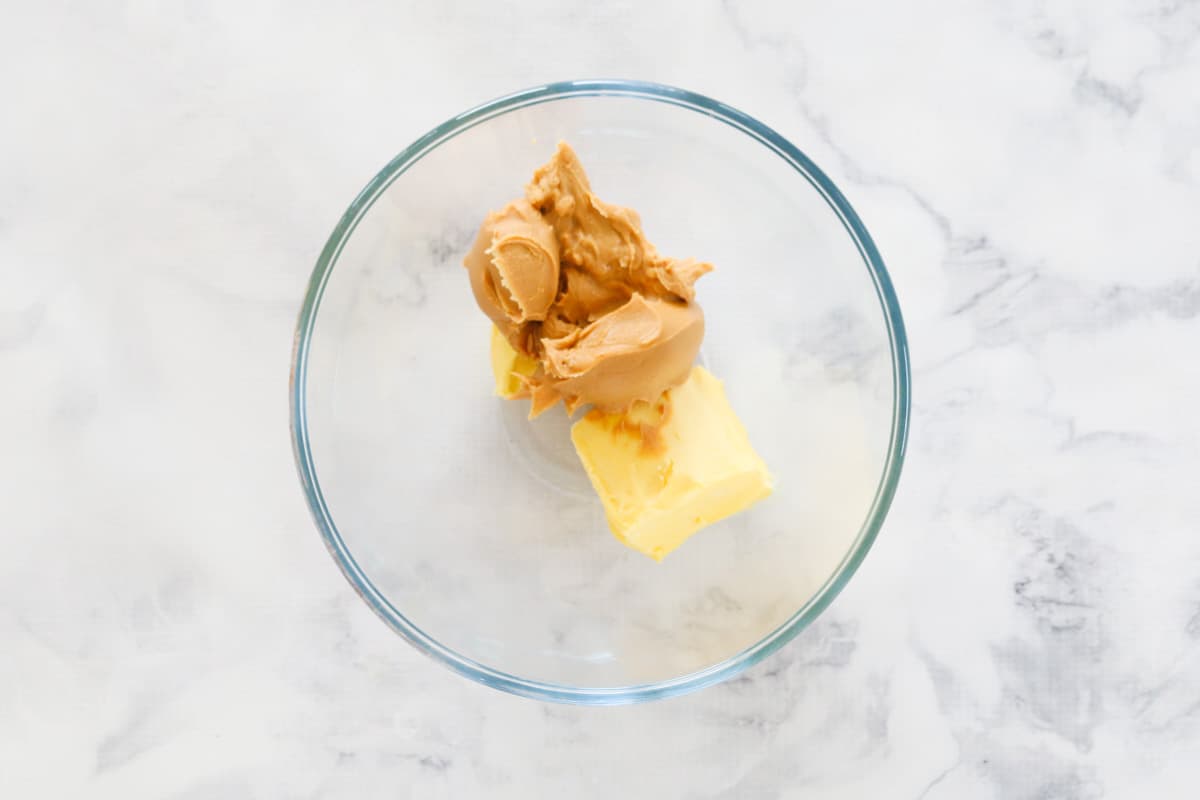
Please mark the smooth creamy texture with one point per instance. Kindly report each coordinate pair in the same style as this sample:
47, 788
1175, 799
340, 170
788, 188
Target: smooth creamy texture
654, 340
514, 265
664, 470
573, 283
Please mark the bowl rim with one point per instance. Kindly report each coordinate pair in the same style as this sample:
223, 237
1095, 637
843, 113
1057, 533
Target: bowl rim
885, 490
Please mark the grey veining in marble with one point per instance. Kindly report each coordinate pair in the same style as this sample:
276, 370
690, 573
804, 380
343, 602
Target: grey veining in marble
1028, 626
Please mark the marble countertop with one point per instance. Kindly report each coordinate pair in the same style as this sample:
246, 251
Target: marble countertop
1028, 625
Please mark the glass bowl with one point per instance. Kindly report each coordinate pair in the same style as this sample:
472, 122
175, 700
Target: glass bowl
473, 532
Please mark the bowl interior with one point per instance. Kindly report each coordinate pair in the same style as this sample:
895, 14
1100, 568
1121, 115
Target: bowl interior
473, 530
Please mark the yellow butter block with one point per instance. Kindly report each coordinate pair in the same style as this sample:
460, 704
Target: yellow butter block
507, 364
667, 469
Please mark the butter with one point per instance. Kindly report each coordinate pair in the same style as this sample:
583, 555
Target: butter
508, 365
586, 311
664, 470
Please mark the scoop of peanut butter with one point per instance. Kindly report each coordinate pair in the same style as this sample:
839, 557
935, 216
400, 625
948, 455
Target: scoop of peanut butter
572, 282
514, 265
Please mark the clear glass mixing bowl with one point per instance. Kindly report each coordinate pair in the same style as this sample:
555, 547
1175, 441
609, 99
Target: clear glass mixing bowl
474, 533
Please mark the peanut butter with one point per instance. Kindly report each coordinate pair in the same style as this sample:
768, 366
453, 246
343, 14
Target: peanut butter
573, 283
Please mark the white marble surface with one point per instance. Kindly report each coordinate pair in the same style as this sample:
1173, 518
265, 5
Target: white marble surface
1028, 626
